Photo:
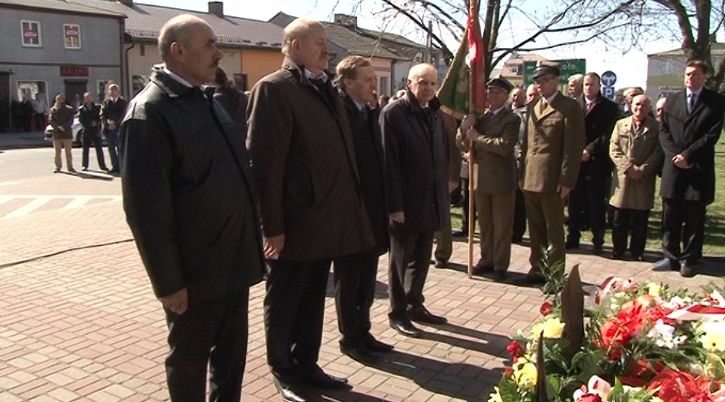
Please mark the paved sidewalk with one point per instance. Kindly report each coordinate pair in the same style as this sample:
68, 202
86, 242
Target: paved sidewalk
84, 325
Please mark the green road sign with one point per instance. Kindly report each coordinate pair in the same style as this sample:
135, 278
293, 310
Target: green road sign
568, 67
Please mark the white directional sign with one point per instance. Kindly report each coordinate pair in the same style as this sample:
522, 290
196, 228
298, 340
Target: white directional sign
609, 79
608, 92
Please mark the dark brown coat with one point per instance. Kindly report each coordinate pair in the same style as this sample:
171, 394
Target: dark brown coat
304, 168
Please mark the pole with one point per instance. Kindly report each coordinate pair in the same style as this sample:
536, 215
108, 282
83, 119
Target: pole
472, 13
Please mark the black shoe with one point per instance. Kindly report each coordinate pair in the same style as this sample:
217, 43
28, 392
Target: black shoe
638, 257
441, 263
85, 168
404, 327
499, 275
482, 268
688, 269
114, 171
359, 353
375, 345
617, 256
421, 314
315, 377
571, 245
517, 240
286, 392
460, 232
531, 278
598, 249
666, 264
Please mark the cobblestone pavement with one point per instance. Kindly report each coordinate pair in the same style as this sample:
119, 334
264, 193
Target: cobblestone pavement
78, 320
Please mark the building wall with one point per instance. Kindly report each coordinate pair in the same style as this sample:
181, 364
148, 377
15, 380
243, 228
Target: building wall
142, 57
384, 74
99, 52
257, 63
664, 75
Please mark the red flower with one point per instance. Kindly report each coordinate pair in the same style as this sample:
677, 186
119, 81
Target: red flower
589, 398
679, 386
640, 372
508, 372
545, 308
515, 349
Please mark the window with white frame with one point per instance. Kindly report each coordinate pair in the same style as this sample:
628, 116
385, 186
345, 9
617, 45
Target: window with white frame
30, 33
72, 36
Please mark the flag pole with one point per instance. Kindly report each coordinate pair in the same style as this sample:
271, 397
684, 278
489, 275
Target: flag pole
472, 13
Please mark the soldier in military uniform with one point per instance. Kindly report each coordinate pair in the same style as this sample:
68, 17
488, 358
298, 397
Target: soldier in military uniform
492, 137
552, 154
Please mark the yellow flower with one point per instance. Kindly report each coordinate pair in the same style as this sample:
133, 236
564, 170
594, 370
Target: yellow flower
656, 399
713, 337
525, 375
714, 367
653, 289
496, 396
552, 327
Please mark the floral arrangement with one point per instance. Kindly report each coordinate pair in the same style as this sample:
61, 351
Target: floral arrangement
642, 342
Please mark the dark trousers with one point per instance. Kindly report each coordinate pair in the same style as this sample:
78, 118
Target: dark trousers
519, 217
112, 144
213, 333
587, 204
294, 309
354, 294
626, 222
92, 136
464, 207
409, 261
683, 221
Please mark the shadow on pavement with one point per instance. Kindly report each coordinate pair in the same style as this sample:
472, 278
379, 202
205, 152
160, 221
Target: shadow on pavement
94, 175
494, 345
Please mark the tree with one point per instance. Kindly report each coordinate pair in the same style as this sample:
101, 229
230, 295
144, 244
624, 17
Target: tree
626, 23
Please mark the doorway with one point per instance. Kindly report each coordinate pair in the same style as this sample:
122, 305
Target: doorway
73, 88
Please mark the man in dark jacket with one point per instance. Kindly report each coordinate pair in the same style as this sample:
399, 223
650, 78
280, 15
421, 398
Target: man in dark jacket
112, 112
691, 125
416, 158
587, 202
355, 274
306, 172
188, 198
89, 117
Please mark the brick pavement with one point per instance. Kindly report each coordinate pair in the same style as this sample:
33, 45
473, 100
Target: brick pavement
83, 324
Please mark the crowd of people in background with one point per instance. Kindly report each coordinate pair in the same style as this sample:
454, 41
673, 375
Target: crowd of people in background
222, 190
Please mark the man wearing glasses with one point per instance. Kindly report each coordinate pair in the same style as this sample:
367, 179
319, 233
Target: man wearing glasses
552, 153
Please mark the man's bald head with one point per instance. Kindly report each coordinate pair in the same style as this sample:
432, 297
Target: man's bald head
421, 70
531, 94
178, 29
518, 97
297, 30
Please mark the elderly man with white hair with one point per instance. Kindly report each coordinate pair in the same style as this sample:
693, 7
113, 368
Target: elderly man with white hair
416, 157
305, 170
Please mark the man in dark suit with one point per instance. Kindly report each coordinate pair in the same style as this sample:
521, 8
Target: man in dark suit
188, 198
552, 154
355, 274
692, 120
416, 157
312, 209
112, 111
587, 203
89, 117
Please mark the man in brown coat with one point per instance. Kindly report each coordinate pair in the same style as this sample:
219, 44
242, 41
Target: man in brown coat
637, 156
552, 154
494, 136
305, 170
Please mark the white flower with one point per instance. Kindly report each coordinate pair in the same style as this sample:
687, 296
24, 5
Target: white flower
664, 335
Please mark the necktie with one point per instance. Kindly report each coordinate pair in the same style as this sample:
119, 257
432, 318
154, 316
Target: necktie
590, 106
540, 107
693, 100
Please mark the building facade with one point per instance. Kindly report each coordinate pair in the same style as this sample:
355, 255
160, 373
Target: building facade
51, 47
665, 70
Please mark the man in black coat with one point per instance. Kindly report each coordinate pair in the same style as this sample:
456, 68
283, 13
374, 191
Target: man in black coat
355, 274
312, 209
692, 120
90, 119
112, 111
416, 158
187, 193
587, 202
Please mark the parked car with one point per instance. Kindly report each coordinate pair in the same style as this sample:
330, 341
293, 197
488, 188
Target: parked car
77, 132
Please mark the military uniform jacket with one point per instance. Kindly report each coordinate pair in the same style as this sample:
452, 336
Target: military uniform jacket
187, 192
494, 151
693, 135
639, 148
304, 167
554, 144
